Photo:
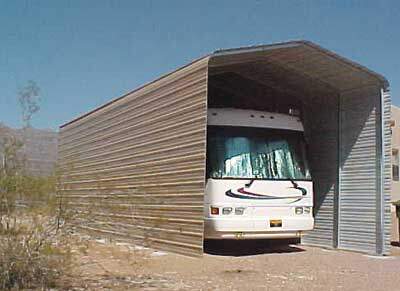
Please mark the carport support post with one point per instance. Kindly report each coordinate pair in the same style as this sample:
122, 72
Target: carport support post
380, 168
336, 207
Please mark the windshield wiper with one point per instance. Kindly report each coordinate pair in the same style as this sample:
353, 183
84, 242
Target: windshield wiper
296, 186
247, 185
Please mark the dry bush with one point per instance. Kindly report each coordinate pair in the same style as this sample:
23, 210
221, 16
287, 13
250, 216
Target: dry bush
37, 190
32, 253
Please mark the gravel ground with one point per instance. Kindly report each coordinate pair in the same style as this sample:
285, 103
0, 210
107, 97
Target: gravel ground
254, 265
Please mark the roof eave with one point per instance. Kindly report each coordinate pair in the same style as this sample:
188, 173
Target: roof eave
223, 52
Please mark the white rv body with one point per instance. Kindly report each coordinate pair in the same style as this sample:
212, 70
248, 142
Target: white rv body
254, 207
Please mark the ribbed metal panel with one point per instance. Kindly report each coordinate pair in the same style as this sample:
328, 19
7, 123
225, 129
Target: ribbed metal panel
359, 170
135, 168
387, 138
321, 125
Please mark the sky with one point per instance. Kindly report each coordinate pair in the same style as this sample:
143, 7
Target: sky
84, 53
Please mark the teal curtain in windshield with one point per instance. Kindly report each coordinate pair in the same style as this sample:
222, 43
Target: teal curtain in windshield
269, 156
237, 162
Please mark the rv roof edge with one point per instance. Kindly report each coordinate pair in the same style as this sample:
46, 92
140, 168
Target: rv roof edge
253, 118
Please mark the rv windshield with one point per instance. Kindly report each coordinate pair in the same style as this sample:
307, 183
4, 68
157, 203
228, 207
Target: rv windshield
256, 153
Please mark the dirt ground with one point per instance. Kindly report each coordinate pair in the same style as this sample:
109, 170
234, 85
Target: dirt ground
236, 265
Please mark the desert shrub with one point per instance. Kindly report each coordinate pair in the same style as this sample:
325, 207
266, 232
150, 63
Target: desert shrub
32, 253
37, 193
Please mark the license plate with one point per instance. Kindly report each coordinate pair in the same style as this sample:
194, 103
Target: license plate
239, 235
275, 223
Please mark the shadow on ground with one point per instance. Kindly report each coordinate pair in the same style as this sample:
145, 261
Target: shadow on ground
395, 244
240, 248
395, 250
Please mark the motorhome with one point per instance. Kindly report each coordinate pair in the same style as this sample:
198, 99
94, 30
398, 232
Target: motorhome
258, 180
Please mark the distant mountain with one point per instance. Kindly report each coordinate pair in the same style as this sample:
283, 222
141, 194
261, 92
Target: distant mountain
39, 149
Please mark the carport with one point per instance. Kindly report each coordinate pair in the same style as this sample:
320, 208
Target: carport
136, 165
346, 111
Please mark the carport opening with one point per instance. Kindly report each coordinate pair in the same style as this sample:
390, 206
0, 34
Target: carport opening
264, 86
312, 83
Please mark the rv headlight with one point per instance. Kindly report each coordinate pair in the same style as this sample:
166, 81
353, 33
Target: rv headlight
298, 210
239, 210
226, 210
307, 210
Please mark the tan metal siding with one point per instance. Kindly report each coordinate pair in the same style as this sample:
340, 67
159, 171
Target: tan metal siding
135, 169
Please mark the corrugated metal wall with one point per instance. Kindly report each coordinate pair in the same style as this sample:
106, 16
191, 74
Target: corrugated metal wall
351, 186
360, 172
321, 129
135, 169
387, 171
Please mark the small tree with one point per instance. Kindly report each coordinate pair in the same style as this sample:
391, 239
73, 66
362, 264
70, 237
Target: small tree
11, 150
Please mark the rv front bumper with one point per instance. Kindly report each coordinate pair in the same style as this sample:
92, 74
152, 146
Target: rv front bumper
221, 228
